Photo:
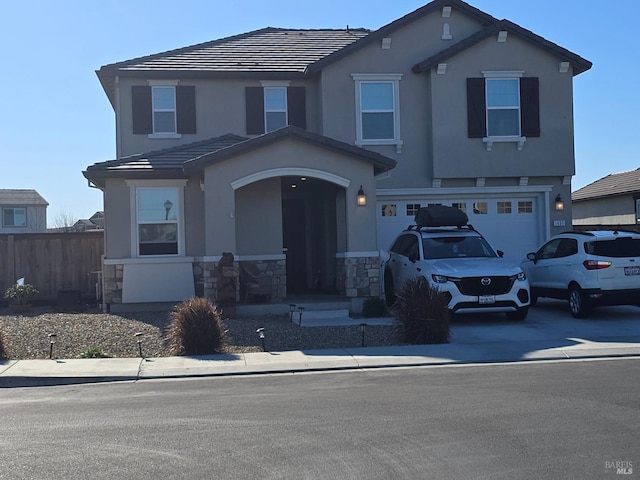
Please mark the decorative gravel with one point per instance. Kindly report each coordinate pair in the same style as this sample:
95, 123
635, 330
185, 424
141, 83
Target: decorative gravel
26, 336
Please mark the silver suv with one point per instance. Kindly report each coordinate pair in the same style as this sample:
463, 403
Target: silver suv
588, 269
457, 260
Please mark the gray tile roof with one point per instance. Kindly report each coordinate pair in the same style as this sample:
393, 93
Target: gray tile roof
180, 161
613, 184
21, 197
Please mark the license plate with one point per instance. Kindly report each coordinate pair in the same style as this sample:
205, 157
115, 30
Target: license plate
632, 270
486, 299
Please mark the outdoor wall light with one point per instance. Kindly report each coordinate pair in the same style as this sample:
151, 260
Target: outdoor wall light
361, 198
559, 203
139, 340
167, 207
260, 333
52, 341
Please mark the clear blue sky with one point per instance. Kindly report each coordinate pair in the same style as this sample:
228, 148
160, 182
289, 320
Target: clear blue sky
56, 119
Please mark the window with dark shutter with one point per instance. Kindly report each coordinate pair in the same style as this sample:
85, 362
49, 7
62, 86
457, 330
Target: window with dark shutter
296, 107
186, 108
476, 108
254, 98
141, 109
530, 107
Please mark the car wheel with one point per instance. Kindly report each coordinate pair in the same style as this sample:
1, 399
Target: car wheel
519, 315
578, 303
389, 291
534, 300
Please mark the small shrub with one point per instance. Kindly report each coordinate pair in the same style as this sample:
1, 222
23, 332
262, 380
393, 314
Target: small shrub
20, 294
374, 307
94, 352
421, 313
196, 328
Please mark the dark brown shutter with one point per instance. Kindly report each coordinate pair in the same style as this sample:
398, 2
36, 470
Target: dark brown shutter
141, 109
530, 106
476, 108
186, 108
254, 97
296, 107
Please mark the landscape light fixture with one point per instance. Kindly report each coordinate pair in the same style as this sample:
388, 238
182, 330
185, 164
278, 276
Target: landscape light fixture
559, 203
361, 198
167, 208
260, 333
300, 310
292, 307
52, 341
138, 336
362, 327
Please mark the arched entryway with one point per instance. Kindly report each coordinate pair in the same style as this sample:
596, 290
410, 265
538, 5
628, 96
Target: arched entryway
309, 233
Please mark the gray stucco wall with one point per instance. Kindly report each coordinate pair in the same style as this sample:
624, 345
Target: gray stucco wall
618, 210
259, 218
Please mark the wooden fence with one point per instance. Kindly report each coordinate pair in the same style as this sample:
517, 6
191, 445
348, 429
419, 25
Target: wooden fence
53, 263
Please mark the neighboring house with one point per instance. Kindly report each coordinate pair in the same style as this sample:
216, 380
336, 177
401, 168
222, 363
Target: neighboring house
611, 200
22, 211
304, 152
96, 222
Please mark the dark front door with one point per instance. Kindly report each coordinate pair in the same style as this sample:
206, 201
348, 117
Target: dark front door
309, 234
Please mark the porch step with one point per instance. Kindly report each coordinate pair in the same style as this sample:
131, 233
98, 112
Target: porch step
321, 314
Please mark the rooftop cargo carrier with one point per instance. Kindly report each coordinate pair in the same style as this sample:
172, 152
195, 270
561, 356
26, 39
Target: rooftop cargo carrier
440, 216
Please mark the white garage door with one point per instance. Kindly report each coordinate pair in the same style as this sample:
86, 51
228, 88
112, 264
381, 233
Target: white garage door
509, 224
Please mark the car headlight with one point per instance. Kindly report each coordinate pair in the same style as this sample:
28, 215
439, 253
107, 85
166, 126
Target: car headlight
521, 276
440, 278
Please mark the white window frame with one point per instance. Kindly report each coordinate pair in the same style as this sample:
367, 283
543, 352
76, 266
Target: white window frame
134, 185
285, 110
164, 84
4, 210
394, 80
503, 75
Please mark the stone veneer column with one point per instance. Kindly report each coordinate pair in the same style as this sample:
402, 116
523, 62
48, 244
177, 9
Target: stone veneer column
112, 283
358, 276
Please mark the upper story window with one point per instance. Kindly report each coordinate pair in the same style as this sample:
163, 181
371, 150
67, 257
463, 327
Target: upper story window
163, 109
14, 217
157, 217
377, 109
274, 105
275, 108
503, 107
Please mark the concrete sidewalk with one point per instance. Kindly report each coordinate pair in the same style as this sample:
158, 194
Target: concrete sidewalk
72, 371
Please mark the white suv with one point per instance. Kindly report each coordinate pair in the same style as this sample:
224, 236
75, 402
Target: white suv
456, 259
588, 269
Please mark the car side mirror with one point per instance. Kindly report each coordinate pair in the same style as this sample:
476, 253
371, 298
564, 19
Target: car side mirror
413, 257
500, 253
532, 256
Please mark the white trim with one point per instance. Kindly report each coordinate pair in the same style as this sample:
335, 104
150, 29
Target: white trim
373, 254
147, 259
290, 171
508, 139
253, 258
502, 73
275, 83
502, 36
564, 67
442, 69
164, 135
178, 182
386, 43
163, 83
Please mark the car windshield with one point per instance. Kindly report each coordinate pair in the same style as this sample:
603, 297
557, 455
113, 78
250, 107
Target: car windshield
618, 248
454, 247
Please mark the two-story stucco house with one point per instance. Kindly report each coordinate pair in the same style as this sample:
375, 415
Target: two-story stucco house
304, 152
22, 211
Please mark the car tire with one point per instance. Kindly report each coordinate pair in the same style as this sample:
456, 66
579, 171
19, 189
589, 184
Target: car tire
534, 300
519, 315
389, 291
578, 302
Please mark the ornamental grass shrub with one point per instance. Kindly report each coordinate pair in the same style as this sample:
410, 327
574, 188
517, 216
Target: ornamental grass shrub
3, 352
196, 328
421, 313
